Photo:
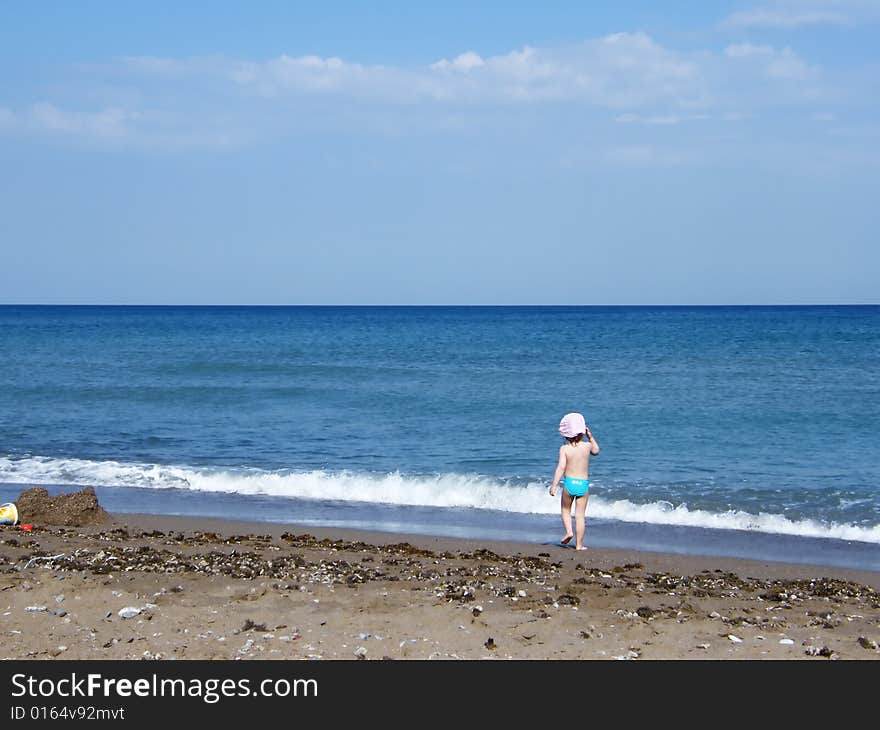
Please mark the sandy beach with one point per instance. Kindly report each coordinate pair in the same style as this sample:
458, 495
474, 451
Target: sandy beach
150, 587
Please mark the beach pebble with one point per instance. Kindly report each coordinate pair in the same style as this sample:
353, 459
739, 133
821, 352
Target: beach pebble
786, 642
129, 612
361, 652
364, 636
246, 647
867, 643
625, 657
35, 609
59, 598
702, 646
734, 639
823, 651
60, 612
521, 594
57, 650
477, 610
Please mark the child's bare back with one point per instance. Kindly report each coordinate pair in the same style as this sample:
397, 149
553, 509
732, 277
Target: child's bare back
577, 459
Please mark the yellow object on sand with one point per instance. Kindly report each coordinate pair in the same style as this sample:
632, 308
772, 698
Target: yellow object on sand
8, 514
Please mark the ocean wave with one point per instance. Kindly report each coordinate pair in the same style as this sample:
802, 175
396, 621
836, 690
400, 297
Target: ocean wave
443, 490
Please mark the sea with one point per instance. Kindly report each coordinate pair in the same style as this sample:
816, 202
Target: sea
741, 431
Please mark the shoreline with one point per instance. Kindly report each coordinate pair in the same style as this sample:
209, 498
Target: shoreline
204, 588
598, 556
602, 533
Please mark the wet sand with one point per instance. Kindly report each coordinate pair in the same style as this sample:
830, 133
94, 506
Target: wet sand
212, 589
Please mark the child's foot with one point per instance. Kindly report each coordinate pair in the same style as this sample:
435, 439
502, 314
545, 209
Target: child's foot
565, 540
580, 547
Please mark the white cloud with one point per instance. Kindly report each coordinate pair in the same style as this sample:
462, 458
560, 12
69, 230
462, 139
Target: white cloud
106, 124
747, 50
770, 18
304, 73
463, 62
622, 69
782, 64
217, 101
7, 118
793, 14
118, 126
152, 64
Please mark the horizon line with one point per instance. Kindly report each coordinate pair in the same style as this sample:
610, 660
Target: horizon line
428, 306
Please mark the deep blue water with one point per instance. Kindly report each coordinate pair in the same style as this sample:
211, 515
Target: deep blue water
717, 419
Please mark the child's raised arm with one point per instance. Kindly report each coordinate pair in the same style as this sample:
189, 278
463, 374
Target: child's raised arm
594, 445
560, 470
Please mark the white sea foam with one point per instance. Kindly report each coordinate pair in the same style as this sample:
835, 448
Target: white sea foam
444, 490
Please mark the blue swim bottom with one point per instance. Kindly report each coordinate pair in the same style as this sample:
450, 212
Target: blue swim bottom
577, 487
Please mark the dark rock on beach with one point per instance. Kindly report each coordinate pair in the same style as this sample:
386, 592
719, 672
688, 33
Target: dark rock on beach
75, 509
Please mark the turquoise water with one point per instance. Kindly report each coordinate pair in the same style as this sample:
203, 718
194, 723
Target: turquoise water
717, 424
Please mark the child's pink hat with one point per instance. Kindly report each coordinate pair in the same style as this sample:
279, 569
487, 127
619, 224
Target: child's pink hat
572, 424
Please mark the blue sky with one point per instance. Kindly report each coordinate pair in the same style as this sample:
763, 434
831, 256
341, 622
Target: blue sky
468, 153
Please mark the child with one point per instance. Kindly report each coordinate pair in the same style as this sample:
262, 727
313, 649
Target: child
574, 463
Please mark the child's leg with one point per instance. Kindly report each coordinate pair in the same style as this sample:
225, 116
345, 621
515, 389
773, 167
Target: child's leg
566, 516
580, 507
